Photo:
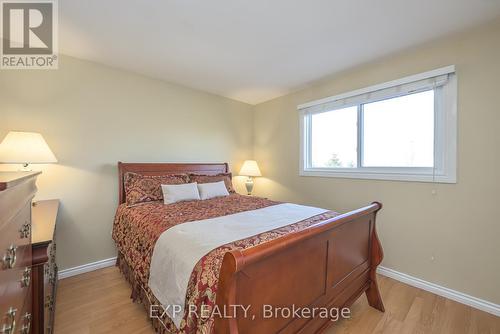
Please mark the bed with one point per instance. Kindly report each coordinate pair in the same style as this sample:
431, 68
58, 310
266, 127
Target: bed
326, 261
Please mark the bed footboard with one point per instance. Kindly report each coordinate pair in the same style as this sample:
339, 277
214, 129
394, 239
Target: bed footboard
326, 266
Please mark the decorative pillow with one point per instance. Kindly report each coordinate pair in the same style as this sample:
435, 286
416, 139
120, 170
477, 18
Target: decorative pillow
226, 177
173, 193
211, 190
147, 188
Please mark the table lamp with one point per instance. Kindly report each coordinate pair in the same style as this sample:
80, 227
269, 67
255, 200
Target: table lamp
250, 169
25, 148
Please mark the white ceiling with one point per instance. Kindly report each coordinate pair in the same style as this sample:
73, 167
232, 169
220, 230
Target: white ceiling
254, 50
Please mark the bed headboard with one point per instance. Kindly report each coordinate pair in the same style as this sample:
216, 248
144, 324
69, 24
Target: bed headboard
166, 168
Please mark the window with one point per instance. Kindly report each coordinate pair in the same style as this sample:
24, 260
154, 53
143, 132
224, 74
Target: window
400, 130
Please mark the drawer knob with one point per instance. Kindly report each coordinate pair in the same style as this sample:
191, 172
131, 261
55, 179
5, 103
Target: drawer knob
9, 259
49, 302
25, 230
8, 328
11, 313
26, 279
25, 329
52, 278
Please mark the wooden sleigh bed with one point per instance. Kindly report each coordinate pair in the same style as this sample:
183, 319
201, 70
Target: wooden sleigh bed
327, 265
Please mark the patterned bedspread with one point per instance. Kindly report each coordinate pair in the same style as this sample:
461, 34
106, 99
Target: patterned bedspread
137, 228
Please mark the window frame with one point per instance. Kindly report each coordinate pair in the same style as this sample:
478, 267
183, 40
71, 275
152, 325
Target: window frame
445, 133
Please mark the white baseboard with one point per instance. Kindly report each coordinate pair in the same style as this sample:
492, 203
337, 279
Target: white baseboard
457, 296
86, 268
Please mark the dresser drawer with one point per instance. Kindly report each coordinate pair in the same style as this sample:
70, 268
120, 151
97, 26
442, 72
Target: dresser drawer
15, 240
15, 292
14, 200
17, 190
25, 321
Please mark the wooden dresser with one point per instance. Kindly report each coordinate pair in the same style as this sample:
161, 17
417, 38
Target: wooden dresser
44, 268
17, 190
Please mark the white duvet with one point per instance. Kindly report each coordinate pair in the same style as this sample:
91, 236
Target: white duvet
179, 248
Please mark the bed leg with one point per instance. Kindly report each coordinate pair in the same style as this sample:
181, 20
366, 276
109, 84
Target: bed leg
377, 254
374, 298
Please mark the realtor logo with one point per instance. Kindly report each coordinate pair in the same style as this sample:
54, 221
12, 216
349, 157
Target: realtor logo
29, 35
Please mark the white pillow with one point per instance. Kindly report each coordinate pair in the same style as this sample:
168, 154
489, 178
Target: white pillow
211, 190
173, 193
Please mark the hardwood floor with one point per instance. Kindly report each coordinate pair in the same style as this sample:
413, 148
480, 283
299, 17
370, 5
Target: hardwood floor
98, 302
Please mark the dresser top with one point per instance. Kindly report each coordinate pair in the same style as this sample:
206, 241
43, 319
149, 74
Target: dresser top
44, 215
10, 179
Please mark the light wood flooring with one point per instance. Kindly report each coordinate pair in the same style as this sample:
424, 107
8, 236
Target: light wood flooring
98, 302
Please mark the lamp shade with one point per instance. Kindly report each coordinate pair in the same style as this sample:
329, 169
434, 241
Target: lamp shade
25, 147
250, 168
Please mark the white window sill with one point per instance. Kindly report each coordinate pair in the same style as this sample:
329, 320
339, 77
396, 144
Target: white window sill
394, 176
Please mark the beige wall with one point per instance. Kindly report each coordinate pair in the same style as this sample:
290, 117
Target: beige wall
459, 226
93, 116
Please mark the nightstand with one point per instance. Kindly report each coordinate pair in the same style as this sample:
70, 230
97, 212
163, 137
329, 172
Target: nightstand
44, 268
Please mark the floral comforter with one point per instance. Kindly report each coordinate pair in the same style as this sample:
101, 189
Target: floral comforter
137, 228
